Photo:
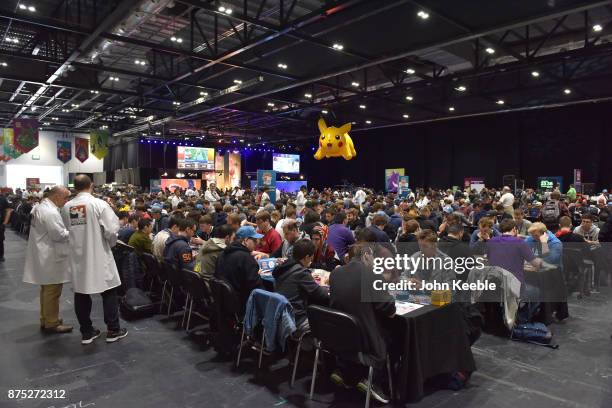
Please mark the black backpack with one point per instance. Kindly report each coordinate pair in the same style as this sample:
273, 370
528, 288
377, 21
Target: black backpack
551, 212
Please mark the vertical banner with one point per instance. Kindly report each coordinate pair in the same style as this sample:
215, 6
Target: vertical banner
267, 179
64, 150
25, 134
99, 143
81, 149
402, 189
220, 171
234, 170
578, 180
32, 182
392, 179
155, 185
8, 148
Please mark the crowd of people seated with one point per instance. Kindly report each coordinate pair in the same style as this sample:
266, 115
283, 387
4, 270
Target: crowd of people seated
223, 234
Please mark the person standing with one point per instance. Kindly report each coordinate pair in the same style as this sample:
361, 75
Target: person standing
507, 200
5, 217
93, 228
46, 261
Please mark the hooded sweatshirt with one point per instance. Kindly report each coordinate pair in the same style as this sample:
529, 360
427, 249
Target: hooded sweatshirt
208, 256
296, 283
178, 252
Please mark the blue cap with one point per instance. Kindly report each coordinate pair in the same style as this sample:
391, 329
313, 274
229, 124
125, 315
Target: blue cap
247, 232
199, 206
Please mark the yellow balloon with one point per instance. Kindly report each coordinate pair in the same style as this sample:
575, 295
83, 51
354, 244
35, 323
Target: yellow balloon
335, 142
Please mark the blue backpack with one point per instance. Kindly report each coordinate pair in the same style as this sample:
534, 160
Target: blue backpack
534, 333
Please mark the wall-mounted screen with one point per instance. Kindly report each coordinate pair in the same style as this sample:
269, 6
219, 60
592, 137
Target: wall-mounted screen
286, 163
195, 158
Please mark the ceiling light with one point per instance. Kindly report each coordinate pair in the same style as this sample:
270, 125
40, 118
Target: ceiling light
409, 98
32, 9
369, 122
461, 88
176, 39
338, 47
74, 105
176, 103
410, 71
4, 64
23, 6
13, 40
355, 84
451, 108
362, 106
490, 50
597, 28
228, 11
423, 14
139, 62
308, 95
53, 118
237, 81
46, 124
405, 116
282, 66
65, 110
535, 74
93, 92
567, 91
113, 78
158, 133
203, 93
271, 104
324, 112
221, 9
500, 102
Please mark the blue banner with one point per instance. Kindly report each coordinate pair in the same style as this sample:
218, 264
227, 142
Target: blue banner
403, 187
267, 179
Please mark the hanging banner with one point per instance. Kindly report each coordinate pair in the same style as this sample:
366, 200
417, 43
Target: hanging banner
32, 183
99, 143
81, 149
64, 150
402, 189
392, 179
8, 151
578, 180
25, 134
267, 179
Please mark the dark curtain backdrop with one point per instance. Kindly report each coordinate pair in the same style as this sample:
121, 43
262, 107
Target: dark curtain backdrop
530, 144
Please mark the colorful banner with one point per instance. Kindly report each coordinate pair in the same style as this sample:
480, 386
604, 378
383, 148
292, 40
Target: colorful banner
184, 184
33, 182
64, 150
8, 150
392, 179
81, 149
25, 136
155, 185
234, 170
267, 179
404, 183
550, 183
99, 143
578, 180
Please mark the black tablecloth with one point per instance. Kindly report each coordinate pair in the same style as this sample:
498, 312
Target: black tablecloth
553, 294
434, 342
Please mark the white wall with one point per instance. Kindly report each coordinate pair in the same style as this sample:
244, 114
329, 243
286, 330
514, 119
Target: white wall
11, 172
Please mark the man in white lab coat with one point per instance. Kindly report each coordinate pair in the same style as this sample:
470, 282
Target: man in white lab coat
46, 261
93, 228
211, 194
300, 200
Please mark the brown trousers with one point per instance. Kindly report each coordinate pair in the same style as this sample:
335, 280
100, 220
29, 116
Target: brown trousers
49, 305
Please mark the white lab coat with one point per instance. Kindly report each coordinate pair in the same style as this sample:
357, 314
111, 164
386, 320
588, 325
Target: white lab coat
93, 228
46, 260
300, 202
211, 196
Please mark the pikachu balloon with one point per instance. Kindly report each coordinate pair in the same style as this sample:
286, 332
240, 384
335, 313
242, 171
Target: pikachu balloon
335, 142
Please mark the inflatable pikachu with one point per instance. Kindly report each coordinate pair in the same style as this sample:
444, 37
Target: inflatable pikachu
335, 142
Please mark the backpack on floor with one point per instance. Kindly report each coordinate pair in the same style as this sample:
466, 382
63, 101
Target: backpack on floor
136, 305
534, 333
551, 212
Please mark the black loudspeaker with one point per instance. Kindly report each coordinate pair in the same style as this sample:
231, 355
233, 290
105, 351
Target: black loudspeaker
509, 180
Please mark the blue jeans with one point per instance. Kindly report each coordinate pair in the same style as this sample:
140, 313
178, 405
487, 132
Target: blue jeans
530, 302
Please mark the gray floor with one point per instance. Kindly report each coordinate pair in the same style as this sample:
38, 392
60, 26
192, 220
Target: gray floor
156, 366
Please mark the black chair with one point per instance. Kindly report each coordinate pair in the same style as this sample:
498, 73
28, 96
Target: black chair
227, 319
151, 269
175, 280
197, 291
341, 334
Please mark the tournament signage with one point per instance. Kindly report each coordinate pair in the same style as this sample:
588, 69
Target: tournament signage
64, 150
8, 150
403, 187
474, 183
81, 149
550, 182
578, 180
99, 143
25, 134
267, 179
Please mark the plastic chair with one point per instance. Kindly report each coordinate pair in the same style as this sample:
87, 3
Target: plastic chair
175, 280
341, 334
151, 268
197, 291
226, 309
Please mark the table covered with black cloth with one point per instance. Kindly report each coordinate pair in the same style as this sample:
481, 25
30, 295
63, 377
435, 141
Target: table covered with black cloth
433, 342
553, 294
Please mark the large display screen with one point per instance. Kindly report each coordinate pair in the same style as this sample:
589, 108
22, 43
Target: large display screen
195, 158
286, 163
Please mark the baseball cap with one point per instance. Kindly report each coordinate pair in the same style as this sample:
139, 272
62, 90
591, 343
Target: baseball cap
156, 209
247, 232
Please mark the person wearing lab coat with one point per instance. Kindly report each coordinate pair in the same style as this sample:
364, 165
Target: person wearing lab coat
46, 261
93, 228
300, 200
211, 194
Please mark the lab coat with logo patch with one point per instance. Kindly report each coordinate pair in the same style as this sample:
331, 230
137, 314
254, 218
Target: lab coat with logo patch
93, 228
46, 260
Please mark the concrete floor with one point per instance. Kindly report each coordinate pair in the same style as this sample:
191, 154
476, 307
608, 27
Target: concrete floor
157, 366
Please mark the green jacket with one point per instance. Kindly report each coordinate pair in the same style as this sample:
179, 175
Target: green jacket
141, 243
571, 194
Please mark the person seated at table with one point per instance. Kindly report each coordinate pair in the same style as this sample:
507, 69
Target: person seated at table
379, 222
128, 229
588, 230
340, 237
238, 267
178, 251
325, 256
205, 229
209, 253
159, 241
271, 239
426, 219
453, 245
480, 237
141, 239
351, 289
294, 280
522, 225
292, 235
510, 252
544, 244
431, 267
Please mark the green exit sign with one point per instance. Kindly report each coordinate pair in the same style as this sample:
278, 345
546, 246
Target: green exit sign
546, 184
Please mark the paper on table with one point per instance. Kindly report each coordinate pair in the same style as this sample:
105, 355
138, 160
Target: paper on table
402, 308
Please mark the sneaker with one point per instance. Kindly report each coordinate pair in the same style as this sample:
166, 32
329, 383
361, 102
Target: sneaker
59, 329
376, 392
113, 336
90, 337
337, 379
